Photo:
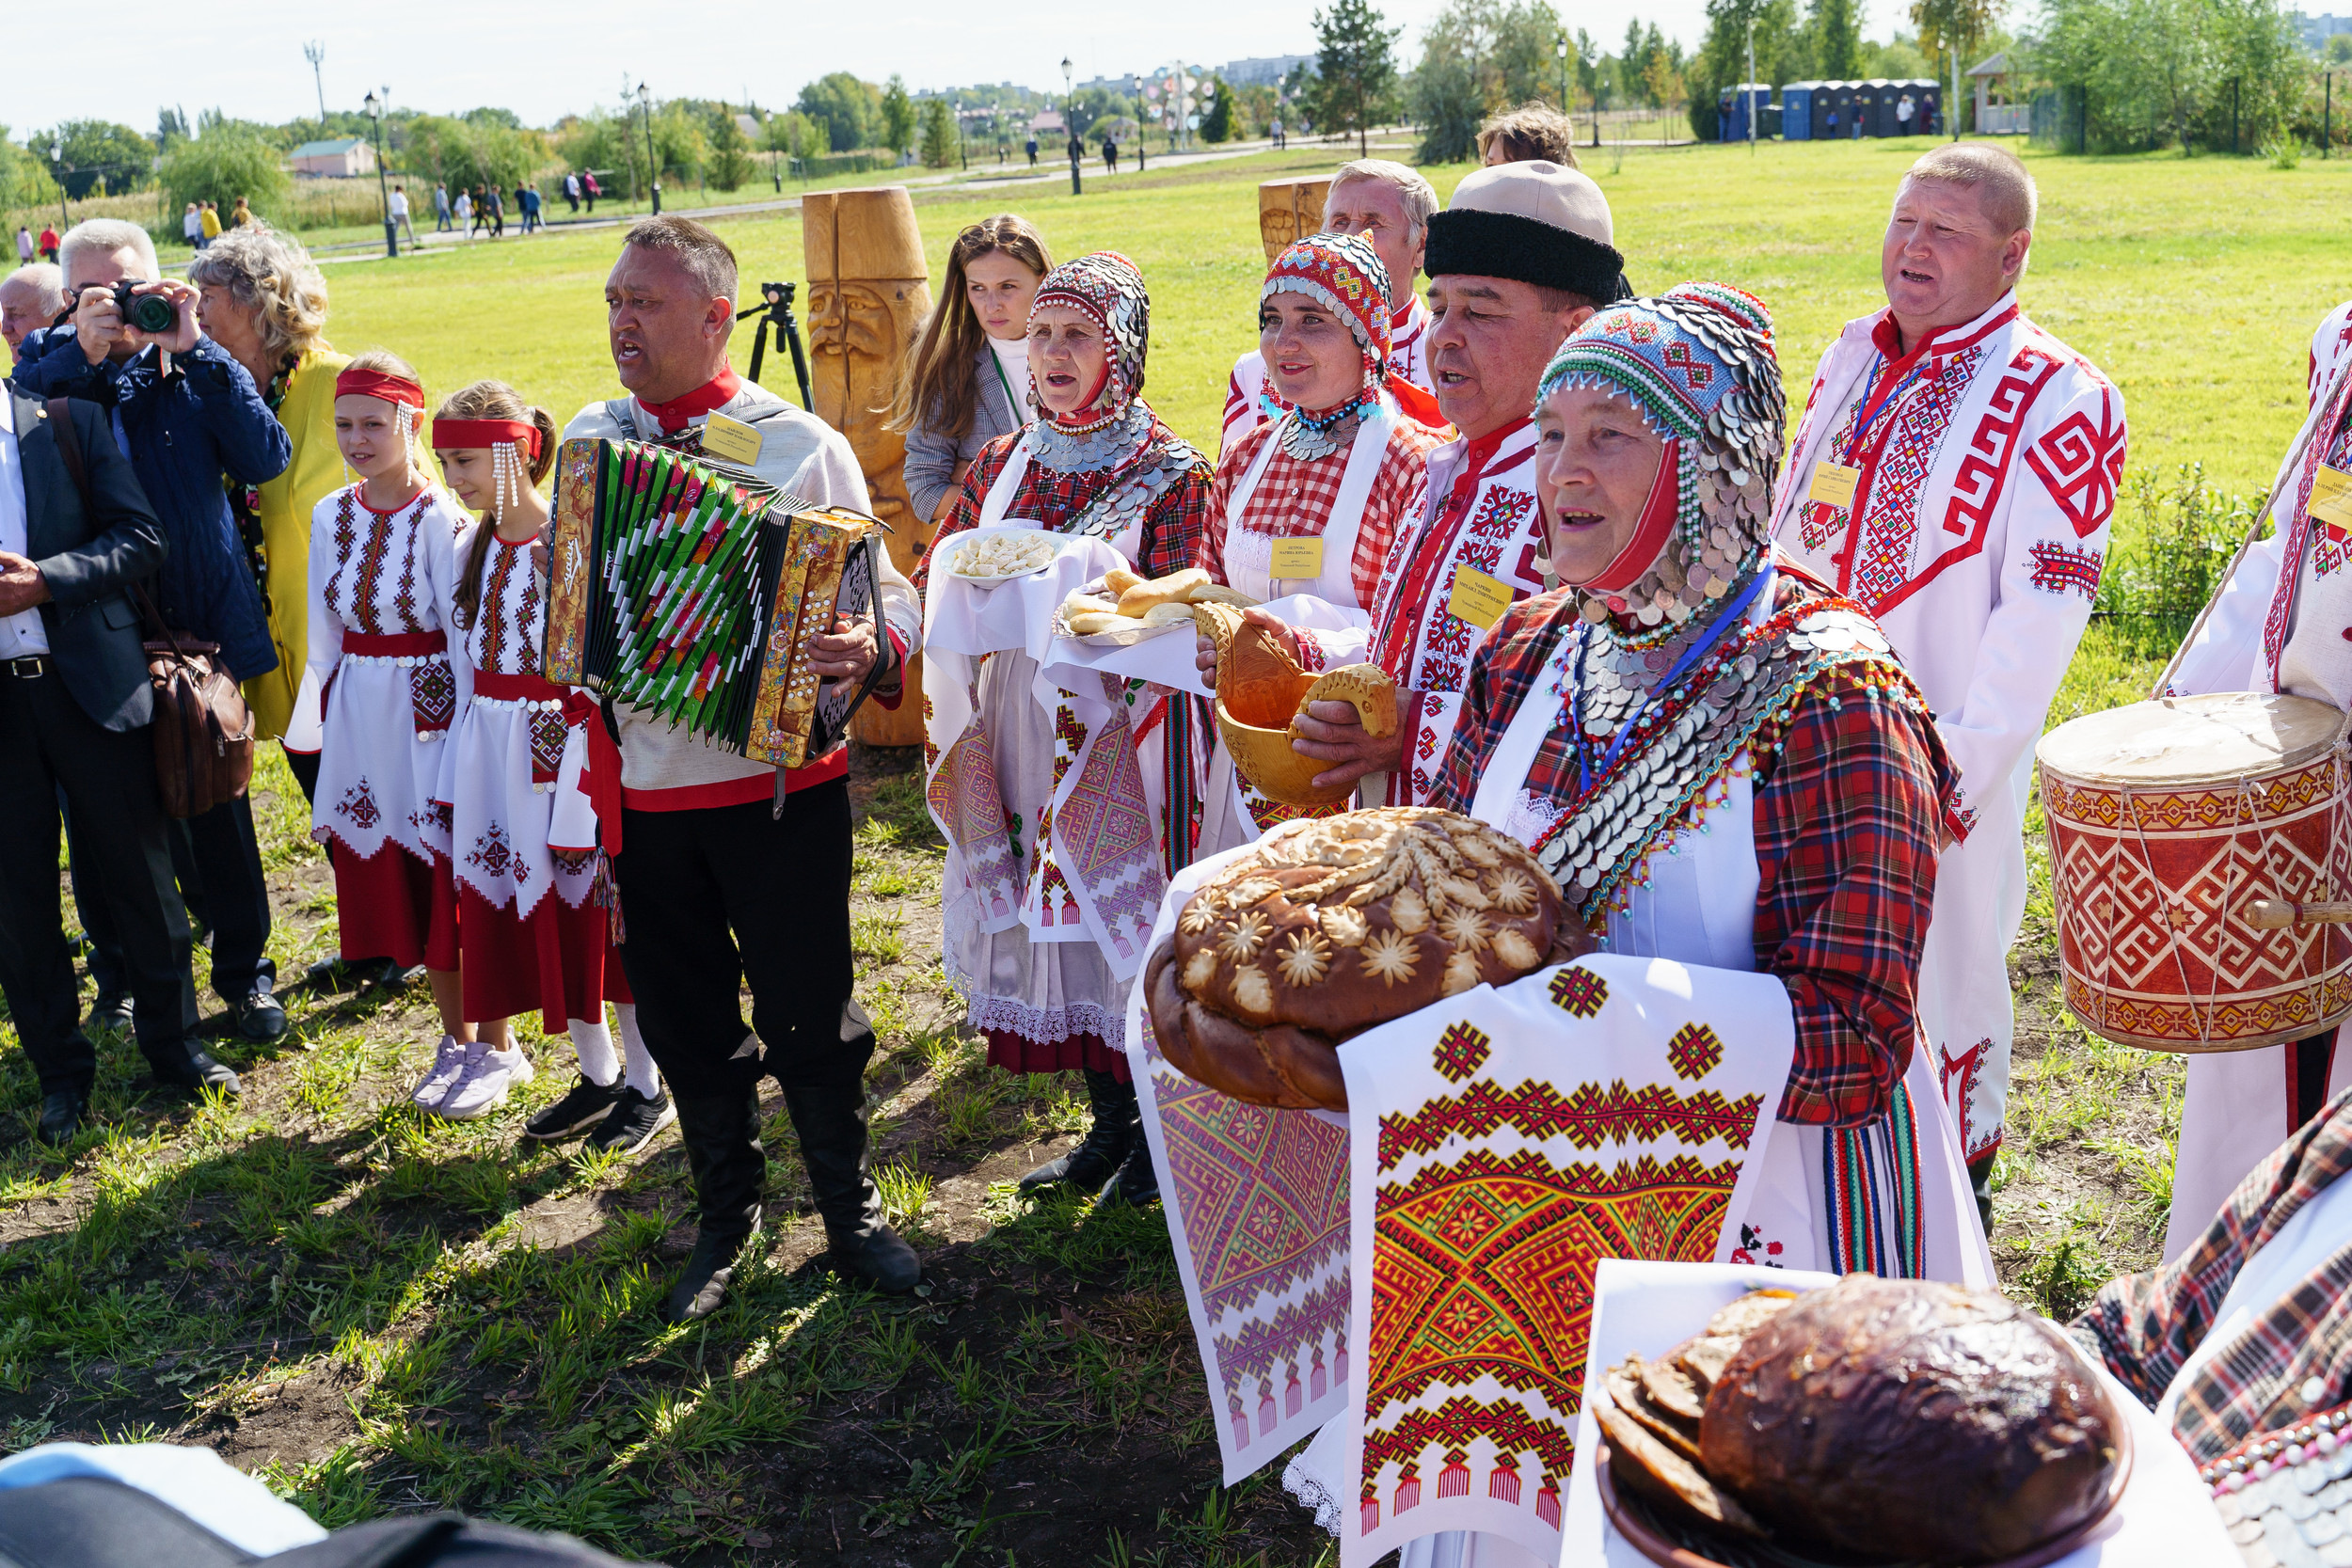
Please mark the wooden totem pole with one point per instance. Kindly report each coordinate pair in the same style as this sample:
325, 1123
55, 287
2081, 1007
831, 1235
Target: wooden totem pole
1289, 208
867, 293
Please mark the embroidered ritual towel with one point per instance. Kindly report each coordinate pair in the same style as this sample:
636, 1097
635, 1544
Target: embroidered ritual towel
964, 623
1256, 1200
1504, 1142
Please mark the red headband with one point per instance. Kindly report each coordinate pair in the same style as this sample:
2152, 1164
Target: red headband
457, 434
355, 382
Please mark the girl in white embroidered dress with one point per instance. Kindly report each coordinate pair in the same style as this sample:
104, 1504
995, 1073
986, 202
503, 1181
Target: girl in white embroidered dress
533, 901
382, 688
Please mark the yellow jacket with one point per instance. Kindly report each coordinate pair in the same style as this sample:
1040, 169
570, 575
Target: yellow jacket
287, 503
211, 224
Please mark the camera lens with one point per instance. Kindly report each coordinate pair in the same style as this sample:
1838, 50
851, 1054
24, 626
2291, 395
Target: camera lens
150, 313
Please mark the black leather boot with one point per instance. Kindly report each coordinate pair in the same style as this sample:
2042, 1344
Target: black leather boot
1135, 1182
721, 1136
1096, 1160
828, 1109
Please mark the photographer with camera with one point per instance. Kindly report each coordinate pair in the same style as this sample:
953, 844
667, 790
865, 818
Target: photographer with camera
188, 416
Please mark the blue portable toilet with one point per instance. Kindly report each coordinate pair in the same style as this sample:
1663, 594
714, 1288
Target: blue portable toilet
1834, 108
1796, 110
1738, 102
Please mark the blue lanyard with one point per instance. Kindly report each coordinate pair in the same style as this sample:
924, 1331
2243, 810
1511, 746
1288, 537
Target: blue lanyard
1871, 411
1690, 656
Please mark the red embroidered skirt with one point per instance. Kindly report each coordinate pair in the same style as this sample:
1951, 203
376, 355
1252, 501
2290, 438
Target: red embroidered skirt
1019, 1053
560, 960
392, 905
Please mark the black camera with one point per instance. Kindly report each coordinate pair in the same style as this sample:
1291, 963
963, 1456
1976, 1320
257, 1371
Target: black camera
154, 315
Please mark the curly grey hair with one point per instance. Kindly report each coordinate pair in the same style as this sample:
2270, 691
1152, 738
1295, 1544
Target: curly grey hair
271, 275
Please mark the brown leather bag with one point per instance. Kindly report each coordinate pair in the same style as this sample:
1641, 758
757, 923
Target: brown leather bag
203, 731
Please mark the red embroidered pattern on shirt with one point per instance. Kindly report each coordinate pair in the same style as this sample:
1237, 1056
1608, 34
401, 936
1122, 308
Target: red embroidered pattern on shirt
490, 643
2061, 569
492, 854
2331, 543
358, 803
2081, 464
1968, 1067
368, 573
1890, 522
1993, 450
1588, 1118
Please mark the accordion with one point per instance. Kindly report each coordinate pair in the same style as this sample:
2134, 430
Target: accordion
689, 590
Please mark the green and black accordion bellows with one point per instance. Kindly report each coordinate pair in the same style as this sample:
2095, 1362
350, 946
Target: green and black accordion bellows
689, 590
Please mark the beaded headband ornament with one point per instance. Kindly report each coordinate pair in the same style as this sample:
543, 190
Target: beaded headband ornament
1106, 287
1697, 363
1347, 275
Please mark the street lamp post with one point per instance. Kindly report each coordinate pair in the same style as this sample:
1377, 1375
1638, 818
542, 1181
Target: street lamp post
376, 109
653, 174
1069, 124
1562, 47
56, 156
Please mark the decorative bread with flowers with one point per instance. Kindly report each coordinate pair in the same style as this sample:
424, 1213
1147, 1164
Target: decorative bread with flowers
1331, 927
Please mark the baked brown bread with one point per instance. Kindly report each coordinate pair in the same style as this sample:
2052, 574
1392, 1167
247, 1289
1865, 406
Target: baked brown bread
1261, 688
1676, 1488
1899, 1418
1331, 927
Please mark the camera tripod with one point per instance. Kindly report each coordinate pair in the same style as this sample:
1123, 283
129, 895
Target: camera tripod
776, 310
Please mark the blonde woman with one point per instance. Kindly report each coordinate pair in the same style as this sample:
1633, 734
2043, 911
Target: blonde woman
967, 378
263, 301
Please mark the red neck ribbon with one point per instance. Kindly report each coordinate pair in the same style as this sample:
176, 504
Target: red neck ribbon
458, 435
1649, 535
1416, 405
675, 414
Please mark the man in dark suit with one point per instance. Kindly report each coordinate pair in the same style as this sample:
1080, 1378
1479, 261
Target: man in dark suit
74, 708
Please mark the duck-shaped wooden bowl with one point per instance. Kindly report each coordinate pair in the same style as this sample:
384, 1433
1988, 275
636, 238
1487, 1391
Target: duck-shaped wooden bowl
1261, 689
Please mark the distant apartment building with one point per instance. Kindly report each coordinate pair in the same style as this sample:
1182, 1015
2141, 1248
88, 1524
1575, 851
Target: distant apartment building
2317, 30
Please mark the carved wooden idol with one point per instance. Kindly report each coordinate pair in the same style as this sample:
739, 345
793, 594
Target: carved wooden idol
1289, 208
868, 292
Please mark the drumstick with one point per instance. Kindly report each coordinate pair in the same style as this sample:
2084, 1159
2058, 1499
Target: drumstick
2262, 516
2277, 914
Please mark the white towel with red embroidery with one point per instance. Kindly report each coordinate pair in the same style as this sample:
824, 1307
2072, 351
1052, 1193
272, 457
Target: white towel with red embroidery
1976, 536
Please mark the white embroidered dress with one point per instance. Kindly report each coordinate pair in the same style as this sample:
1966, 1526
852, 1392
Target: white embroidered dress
1988, 456
383, 685
512, 778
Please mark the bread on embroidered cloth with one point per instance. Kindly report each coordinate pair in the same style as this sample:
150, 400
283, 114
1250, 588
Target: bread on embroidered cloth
1128, 602
1874, 1419
1331, 927
1261, 690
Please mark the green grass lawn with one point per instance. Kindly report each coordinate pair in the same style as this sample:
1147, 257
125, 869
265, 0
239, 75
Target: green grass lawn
379, 1313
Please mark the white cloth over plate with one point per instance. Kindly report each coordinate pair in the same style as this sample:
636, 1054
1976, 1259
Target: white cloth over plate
2163, 1521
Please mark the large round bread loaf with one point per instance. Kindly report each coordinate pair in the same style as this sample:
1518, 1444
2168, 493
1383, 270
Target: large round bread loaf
1898, 1419
1331, 927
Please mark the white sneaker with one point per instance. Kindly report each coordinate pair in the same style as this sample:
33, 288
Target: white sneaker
448, 1063
488, 1078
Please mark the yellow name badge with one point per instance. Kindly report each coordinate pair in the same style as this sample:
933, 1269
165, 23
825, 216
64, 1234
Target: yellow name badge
1477, 597
1834, 486
731, 441
1297, 558
2331, 496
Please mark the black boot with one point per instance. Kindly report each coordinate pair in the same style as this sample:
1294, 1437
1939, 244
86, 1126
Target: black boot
1095, 1161
828, 1111
1980, 1180
721, 1136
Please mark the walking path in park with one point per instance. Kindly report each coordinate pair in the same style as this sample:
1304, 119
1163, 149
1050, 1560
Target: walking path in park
1046, 173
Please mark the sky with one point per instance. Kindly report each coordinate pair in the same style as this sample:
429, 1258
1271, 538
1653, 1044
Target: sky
546, 60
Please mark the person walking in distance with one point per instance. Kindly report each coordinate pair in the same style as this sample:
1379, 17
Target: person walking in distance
571, 190
440, 209
396, 207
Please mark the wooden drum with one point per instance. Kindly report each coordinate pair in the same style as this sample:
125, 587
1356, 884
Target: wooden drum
2169, 822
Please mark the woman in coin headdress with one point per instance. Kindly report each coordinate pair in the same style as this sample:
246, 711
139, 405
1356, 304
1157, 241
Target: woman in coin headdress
1720, 759
1096, 461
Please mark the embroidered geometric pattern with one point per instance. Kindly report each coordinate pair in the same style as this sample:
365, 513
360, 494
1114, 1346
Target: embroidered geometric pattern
1108, 833
1264, 1192
1462, 1050
1890, 524
1486, 1273
358, 803
1580, 992
1587, 1118
2081, 464
1695, 1051
2061, 569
